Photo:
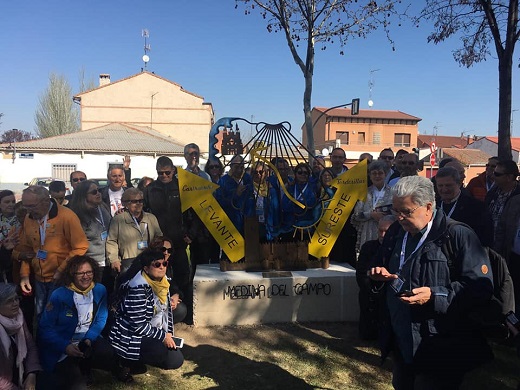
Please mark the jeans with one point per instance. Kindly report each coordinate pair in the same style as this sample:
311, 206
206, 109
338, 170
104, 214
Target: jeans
42, 293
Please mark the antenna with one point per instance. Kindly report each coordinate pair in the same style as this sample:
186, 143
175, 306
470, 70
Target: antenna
145, 34
370, 86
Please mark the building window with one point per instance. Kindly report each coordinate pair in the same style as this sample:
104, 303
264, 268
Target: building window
402, 139
342, 136
63, 171
361, 137
376, 138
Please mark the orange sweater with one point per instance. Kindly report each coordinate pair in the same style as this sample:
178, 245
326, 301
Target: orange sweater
64, 238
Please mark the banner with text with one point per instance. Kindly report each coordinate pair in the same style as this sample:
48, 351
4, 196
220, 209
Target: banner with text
351, 186
197, 192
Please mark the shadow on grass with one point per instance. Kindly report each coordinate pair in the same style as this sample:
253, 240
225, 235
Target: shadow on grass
240, 372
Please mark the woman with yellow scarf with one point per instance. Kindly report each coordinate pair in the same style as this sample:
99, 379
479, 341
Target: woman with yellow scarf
143, 329
69, 333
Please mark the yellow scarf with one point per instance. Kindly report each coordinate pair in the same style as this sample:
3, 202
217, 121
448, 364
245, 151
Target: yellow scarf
73, 287
160, 288
261, 188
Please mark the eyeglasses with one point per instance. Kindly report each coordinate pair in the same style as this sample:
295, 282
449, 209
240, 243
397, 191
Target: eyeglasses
302, 172
167, 173
169, 250
260, 172
136, 201
386, 158
403, 213
213, 166
76, 179
86, 273
158, 264
94, 192
194, 153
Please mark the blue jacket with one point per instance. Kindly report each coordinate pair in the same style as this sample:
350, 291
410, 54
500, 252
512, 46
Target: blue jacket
59, 320
439, 332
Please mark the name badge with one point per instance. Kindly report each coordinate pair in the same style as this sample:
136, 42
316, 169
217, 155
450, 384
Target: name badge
104, 235
142, 245
397, 284
41, 254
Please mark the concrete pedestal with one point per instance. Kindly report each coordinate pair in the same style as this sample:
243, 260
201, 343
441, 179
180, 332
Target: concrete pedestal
241, 298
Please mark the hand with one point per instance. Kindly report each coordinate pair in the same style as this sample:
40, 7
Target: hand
187, 239
73, 350
56, 276
421, 296
174, 301
381, 274
116, 266
168, 341
120, 211
25, 285
126, 162
30, 382
512, 329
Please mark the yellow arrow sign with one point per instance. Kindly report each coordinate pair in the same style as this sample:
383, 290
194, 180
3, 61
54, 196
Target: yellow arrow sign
197, 193
351, 186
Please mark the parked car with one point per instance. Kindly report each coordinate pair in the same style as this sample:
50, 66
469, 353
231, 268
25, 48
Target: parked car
101, 182
45, 181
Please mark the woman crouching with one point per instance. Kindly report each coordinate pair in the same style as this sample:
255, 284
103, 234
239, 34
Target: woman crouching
69, 333
143, 329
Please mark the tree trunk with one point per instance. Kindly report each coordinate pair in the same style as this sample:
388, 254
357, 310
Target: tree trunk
505, 68
307, 112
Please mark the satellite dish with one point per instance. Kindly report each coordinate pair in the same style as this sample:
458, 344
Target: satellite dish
325, 152
370, 103
146, 58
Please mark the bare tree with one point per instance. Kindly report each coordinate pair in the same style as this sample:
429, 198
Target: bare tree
320, 22
84, 83
481, 25
15, 135
56, 113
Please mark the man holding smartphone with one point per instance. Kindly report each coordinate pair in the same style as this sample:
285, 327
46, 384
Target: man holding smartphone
427, 328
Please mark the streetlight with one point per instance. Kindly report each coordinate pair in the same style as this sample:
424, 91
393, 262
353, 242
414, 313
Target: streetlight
354, 110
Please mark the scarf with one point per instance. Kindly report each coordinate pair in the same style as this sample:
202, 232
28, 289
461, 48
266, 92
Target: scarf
261, 188
73, 287
14, 327
160, 288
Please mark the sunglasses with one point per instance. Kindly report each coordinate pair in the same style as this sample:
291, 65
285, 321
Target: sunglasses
193, 154
167, 173
136, 201
386, 157
169, 250
498, 174
76, 179
94, 192
407, 163
260, 172
158, 264
302, 173
213, 166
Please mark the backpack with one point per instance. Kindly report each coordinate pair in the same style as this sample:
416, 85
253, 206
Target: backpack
491, 316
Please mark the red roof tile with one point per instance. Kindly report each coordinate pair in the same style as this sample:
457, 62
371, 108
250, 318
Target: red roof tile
441, 141
515, 142
467, 156
377, 114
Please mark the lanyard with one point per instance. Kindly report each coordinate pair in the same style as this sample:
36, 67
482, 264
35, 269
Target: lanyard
138, 226
452, 208
377, 195
100, 220
402, 260
300, 196
43, 225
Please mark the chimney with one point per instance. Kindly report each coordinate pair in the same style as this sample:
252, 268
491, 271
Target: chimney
104, 79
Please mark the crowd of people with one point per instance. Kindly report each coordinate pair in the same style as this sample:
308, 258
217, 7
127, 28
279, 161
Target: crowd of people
105, 273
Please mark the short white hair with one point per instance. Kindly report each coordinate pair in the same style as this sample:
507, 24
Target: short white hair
419, 188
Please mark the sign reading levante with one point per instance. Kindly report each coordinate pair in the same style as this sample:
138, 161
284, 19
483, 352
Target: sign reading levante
197, 193
351, 186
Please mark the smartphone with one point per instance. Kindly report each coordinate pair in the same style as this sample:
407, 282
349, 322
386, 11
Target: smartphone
513, 320
179, 342
405, 293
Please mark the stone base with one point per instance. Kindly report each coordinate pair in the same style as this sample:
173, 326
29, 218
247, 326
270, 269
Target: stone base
245, 298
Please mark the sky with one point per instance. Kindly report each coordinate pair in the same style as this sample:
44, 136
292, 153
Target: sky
216, 51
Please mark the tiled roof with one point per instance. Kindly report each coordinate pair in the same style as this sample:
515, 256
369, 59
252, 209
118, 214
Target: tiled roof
515, 142
375, 114
467, 156
112, 138
136, 75
441, 141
